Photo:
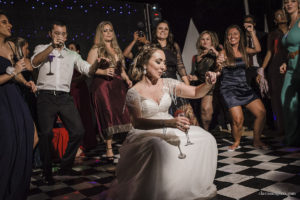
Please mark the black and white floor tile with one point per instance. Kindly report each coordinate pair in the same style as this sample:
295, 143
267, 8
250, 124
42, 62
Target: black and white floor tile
246, 174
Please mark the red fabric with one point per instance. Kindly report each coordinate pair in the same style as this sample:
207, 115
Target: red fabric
108, 95
60, 141
80, 93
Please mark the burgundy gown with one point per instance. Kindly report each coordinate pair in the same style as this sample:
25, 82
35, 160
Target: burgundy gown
108, 96
81, 96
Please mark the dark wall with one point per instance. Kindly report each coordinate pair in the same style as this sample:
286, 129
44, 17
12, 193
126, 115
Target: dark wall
31, 19
214, 15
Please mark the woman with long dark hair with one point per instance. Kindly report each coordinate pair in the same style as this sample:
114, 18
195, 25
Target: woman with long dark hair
234, 88
164, 39
16, 124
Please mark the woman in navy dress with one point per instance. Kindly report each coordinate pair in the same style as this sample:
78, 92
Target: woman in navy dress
234, 88
16, 124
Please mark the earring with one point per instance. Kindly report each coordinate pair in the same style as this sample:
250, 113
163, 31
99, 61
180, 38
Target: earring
145, 71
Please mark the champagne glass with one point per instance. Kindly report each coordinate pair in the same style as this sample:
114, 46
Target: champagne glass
50, 58
18, 55
188, 142
181, 155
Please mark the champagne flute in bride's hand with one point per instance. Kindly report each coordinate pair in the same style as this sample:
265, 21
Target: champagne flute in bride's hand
181, 155
188, 142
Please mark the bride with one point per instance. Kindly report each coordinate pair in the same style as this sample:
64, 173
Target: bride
149, 167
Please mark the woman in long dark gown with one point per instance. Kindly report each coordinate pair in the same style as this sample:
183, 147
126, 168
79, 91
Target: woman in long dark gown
163, 38
275, 57
16, 124
109, 89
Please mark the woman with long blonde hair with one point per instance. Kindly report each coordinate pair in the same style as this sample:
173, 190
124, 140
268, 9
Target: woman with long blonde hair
204, 61
109, 88
290, 90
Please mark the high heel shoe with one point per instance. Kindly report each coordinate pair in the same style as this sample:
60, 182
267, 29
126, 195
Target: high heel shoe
109, 158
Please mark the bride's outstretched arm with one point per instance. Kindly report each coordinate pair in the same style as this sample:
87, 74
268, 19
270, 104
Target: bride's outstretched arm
199, 91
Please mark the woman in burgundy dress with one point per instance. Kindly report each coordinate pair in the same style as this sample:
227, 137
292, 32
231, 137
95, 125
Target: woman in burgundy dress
109, 89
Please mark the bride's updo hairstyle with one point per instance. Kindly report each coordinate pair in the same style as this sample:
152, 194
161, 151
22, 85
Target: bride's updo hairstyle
140, 62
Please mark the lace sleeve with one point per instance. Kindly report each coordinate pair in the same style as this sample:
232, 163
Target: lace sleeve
133, 103
170, 87
180, 66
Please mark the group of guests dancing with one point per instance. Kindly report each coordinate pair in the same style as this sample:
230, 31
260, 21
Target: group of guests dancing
146, 101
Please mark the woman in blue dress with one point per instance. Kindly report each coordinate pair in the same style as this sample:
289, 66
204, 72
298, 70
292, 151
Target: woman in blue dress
16, 124
291, 86
234, 88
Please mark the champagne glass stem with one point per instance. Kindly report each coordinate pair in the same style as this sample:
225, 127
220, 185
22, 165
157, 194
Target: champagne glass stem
181, 155
164, 130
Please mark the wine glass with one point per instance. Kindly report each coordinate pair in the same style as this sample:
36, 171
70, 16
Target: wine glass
188, 142
50, 58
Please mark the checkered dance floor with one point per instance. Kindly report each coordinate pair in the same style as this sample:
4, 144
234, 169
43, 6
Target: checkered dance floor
246, 173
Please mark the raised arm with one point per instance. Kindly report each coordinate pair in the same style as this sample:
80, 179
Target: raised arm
195, 92
257, 47
42, 56
127, 51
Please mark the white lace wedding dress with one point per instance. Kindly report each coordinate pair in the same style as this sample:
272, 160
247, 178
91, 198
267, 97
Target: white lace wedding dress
149, 167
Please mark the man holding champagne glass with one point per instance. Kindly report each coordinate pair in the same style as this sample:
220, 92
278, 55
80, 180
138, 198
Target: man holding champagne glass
53, 97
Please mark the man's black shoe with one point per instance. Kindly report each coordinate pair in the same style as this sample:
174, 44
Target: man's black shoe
48, 180
68, 172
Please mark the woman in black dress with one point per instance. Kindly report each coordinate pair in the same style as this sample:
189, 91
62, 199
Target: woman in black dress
234, 88
164, 39
205, 61
16, 124
275, 57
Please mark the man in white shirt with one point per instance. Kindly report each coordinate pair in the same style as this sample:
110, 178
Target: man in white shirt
56, 64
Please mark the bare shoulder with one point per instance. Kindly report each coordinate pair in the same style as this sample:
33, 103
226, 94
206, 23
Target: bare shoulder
11, 44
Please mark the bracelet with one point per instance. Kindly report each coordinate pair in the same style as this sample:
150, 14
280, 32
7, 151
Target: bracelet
11, 71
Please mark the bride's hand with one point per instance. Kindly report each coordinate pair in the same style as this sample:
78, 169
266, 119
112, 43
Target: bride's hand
182, 123
211, 77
